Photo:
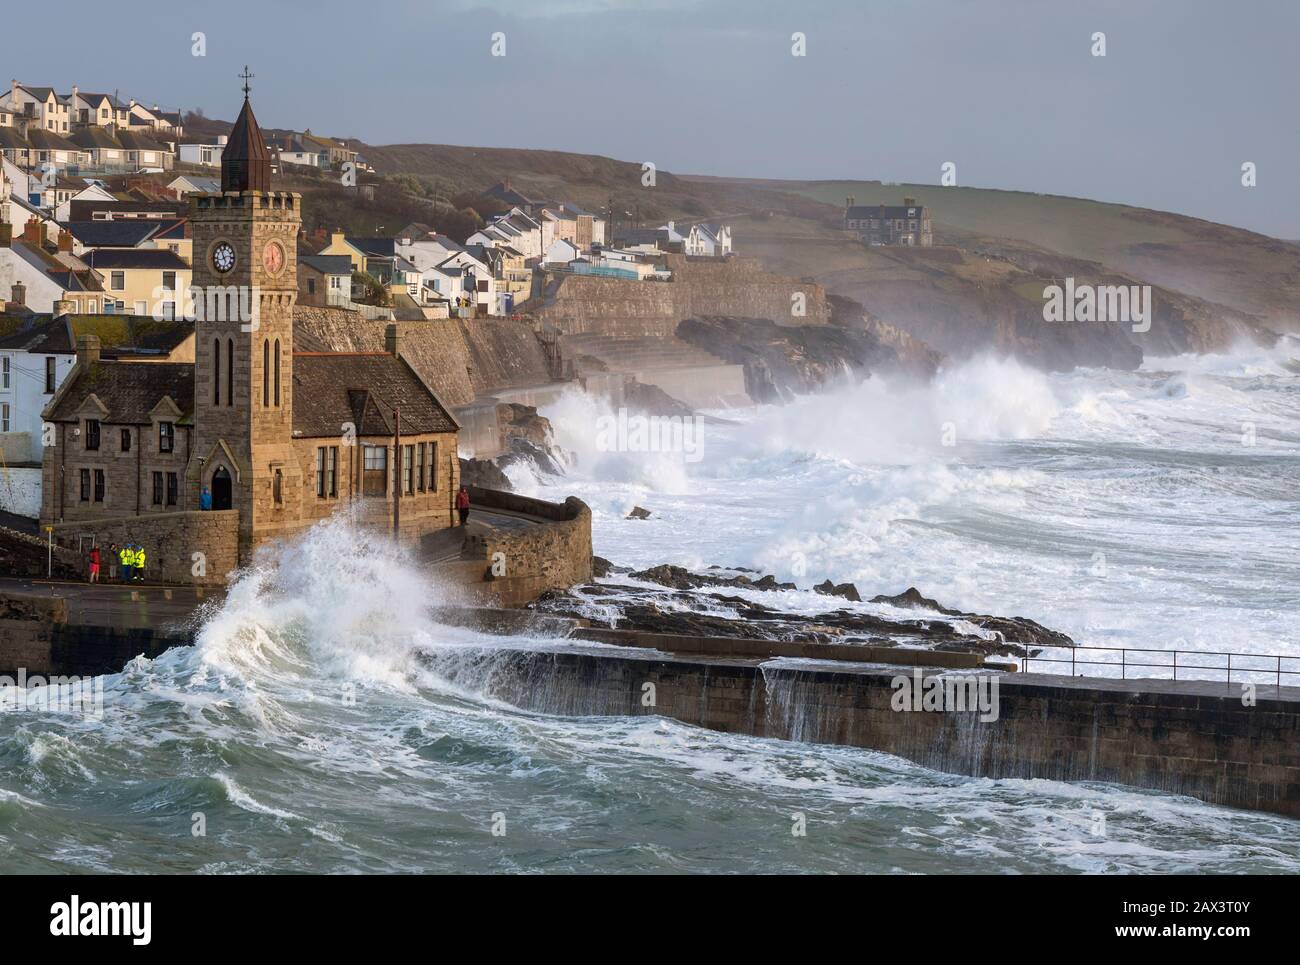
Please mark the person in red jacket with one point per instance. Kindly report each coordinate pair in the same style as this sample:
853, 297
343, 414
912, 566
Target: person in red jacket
94, 564
462, 504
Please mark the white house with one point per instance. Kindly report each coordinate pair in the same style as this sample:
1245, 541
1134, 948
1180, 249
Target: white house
205, 154
30, 372
91, 192
425, 251
191, 184
561, 252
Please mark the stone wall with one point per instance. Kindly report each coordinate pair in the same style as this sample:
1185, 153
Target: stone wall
555, 554
1181, 738
586, 305
460, 358
170, 541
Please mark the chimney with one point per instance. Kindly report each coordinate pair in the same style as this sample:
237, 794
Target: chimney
34, 232
6, 234
19, 296
75, 91
393, 341
65, 241
64, 306
87, 350
909, 202
848, 202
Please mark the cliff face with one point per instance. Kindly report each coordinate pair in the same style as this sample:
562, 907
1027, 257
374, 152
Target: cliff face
987, 294
586, 305
782, 361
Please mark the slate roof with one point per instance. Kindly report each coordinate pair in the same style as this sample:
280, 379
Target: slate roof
129, 390
95, 137
328, 264
102, 259
139, 142
334, 388
119, 233
49, 141
44, 334
11, 140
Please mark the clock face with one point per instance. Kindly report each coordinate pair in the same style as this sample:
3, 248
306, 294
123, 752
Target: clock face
223, 257
273, 257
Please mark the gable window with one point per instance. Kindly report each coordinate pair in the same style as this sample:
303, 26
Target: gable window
166, 437
157, 488
117, 281
173, 488
92, 434
85, 485
374, 477
126, 440
99, 485
49, 374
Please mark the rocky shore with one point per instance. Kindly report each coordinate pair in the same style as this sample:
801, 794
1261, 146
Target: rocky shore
711, 604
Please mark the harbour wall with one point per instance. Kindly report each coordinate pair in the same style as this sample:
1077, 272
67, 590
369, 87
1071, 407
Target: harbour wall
1192, 738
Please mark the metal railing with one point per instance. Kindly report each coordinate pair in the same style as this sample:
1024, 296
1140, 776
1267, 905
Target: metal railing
1125, 663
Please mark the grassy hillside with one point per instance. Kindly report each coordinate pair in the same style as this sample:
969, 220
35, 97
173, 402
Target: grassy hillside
1218, 263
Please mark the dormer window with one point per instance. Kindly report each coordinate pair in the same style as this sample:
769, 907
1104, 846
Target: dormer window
166, 437
92, 434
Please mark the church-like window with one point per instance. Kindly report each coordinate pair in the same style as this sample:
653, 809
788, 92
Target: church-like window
266, 372
230, 371
277, 488
277, 373
216, 371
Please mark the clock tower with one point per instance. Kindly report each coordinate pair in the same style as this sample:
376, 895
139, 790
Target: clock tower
245, 262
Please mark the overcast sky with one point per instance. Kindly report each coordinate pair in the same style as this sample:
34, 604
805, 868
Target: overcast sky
1008, 90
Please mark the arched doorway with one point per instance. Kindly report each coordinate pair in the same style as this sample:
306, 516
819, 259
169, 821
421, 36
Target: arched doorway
221, 495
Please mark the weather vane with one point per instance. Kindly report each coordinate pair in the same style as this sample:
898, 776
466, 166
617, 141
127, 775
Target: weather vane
246, 78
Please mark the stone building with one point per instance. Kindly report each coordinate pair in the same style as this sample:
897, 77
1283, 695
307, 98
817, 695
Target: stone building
906, 224
280, 439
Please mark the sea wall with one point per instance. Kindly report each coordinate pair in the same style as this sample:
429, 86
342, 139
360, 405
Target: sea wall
520, 564
170, 541
1187, 738
36, 637
587, 305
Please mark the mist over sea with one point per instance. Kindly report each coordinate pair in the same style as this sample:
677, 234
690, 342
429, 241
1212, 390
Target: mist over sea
309, 731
